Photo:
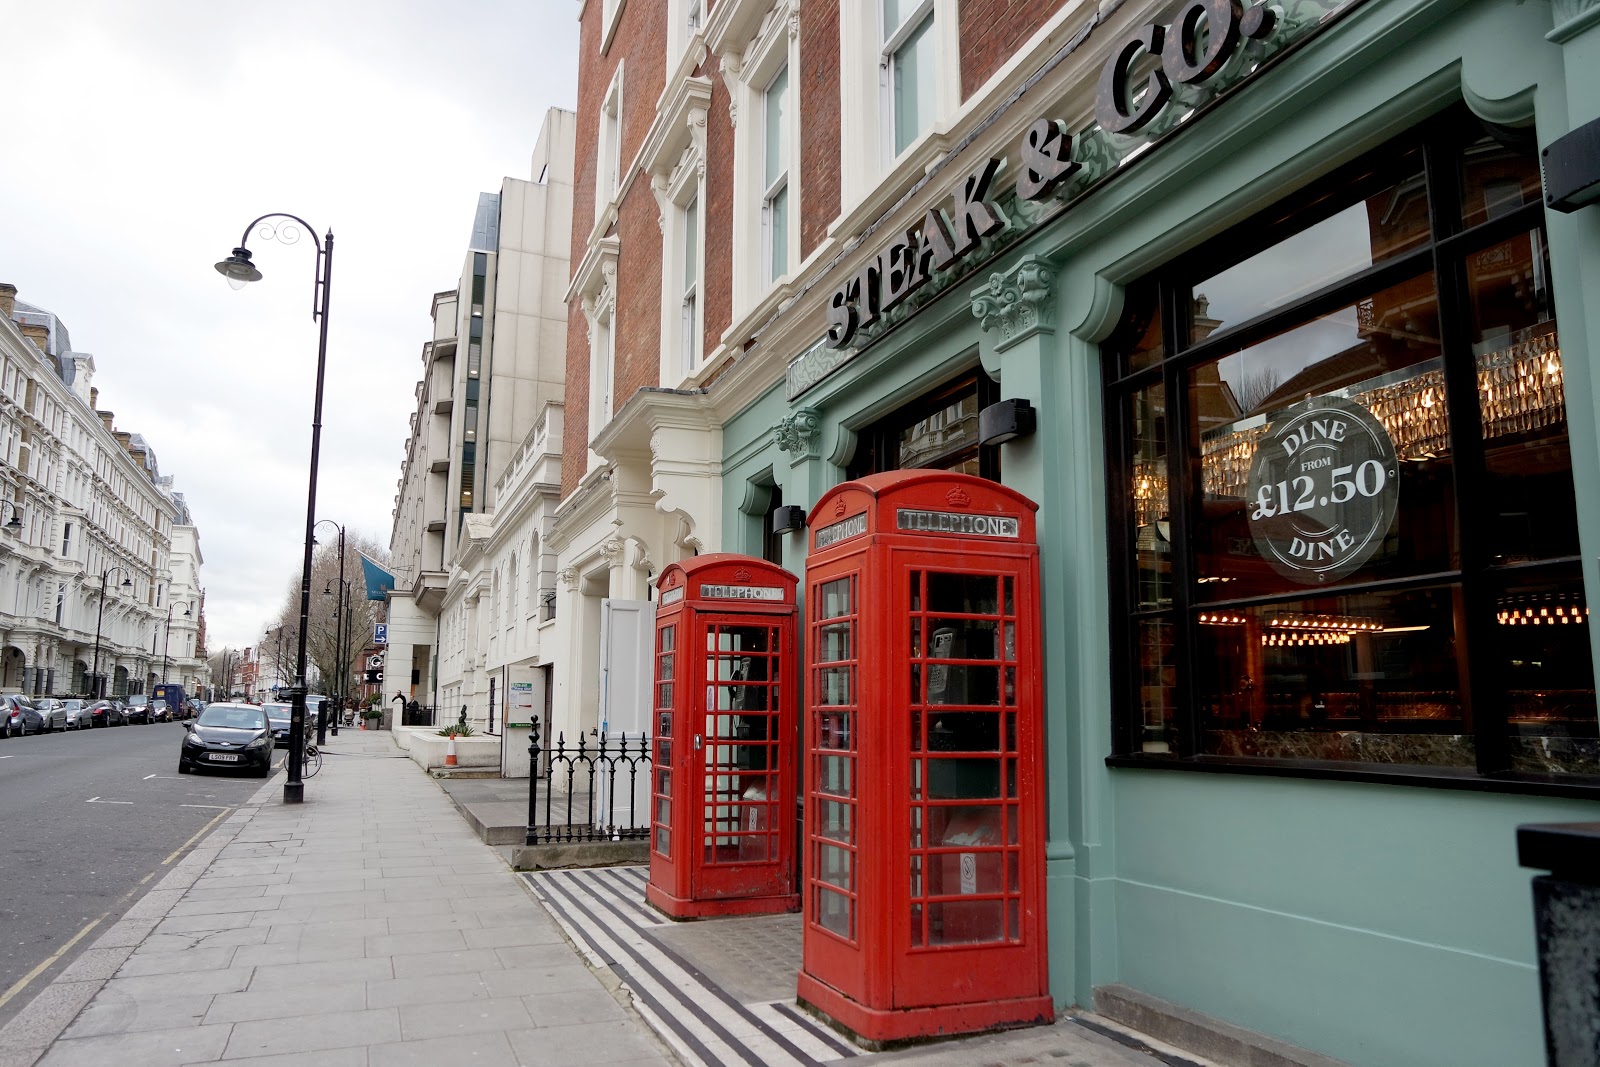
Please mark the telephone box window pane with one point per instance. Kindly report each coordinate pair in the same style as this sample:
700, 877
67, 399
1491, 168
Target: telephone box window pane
965, 922
1522, 401
1390, 221
664, 787
664, 811
834, 641
669, 641
1009, 584
916, 716
836, 599
919, 937
833, 730
834, 821
739, 639
963, 779
916, 595
663, 841
666, 667
835, 913
666, 695
834, 866
1496, 179
1541, 642
835, 686
962, 638
835, 775
964, 731
963, 684
1265, 523
1152, 539
664, 751
966, 594
1371, 678
664, 725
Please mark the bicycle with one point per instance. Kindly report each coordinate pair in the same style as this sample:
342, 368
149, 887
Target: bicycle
311, 762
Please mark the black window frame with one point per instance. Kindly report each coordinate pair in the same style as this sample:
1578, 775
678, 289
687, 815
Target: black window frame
878, 445
1442, 140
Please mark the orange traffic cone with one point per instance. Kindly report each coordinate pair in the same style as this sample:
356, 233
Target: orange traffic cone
450, 752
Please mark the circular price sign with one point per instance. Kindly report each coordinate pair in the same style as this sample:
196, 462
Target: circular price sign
1324, 488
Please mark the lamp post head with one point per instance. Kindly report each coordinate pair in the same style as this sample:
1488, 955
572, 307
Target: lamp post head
238, 269
15, 523
127, 583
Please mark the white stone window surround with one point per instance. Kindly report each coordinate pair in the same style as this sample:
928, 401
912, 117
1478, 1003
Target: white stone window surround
685, 18
674, 156
866, 92
594, 285
610, 16
756, 40
608, 148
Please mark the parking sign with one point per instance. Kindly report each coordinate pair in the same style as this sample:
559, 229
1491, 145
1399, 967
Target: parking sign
380, 633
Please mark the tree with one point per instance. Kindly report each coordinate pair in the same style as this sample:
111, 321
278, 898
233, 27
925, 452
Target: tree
324, 656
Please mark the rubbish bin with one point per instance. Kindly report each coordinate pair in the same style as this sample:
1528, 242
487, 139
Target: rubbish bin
1566, 915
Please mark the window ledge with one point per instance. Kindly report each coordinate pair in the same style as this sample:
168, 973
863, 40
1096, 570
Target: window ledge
1585, 788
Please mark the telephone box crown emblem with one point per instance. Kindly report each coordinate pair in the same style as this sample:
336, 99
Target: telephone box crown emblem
839, 507
957, 497
741, 575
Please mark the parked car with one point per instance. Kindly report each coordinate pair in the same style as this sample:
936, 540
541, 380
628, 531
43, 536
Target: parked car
54, 712
278, 717
20, 716
137, 711
228, 736
77, 713
160, 711
107, 713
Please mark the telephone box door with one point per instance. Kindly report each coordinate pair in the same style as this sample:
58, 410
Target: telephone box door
738, 754
722, 785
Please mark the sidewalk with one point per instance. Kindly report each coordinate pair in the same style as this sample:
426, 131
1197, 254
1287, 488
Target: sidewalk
369, 927
366, 927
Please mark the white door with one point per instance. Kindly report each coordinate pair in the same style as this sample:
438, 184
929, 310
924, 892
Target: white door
627, 632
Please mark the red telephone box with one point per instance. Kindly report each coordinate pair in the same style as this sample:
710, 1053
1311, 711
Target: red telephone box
924, 821
722, 823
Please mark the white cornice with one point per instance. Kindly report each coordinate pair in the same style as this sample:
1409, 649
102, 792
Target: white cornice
732, 23
595, 270
670, 133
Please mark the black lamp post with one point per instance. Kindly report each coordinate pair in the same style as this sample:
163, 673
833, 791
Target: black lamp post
239, 271
339, 645
166, 643
341, 662
16, 516
127, 583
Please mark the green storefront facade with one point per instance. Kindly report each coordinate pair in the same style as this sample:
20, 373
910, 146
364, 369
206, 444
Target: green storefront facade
1281, 796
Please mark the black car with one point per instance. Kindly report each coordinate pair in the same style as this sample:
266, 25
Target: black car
228, 736
107, 713
137, 712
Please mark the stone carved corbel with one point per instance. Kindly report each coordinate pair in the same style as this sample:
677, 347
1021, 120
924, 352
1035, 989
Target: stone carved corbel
729, 67
800, 433
568, 576
1018, 302
611, 548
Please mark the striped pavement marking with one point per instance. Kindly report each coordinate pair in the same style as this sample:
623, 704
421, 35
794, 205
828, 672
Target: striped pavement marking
604, 911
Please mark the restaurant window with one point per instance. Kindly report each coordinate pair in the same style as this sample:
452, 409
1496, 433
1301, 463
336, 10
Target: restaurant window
1343, 524
939, 431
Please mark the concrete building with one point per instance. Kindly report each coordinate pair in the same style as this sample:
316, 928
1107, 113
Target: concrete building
93, 548
813, 241
467, 540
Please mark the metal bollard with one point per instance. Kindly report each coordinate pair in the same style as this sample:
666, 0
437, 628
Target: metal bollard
533, 781
1566, 915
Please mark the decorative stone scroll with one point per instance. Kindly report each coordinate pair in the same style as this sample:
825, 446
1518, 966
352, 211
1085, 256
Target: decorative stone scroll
1017, 303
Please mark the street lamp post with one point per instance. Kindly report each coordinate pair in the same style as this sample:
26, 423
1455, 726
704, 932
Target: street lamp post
339, 645
127, 583
166, 643
239, 271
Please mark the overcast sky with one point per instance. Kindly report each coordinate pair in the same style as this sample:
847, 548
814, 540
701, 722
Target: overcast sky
140, 137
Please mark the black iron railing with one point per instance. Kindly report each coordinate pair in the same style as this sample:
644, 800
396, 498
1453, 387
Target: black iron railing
416, 715
597, 790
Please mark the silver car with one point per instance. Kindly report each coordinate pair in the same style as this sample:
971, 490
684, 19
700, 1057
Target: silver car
54, 712
77, 714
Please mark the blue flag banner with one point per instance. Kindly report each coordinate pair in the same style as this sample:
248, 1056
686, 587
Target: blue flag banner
379, 581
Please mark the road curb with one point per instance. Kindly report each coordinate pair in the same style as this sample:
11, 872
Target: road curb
44, 1018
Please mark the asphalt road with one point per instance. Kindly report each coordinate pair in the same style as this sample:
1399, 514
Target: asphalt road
88, 820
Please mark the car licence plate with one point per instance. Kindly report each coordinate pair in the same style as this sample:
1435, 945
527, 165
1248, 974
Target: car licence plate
225, 757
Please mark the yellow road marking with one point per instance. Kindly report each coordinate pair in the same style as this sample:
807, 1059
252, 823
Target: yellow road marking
198, 835
21, 983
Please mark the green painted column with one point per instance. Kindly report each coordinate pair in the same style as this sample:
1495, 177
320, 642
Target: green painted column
1060, 467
